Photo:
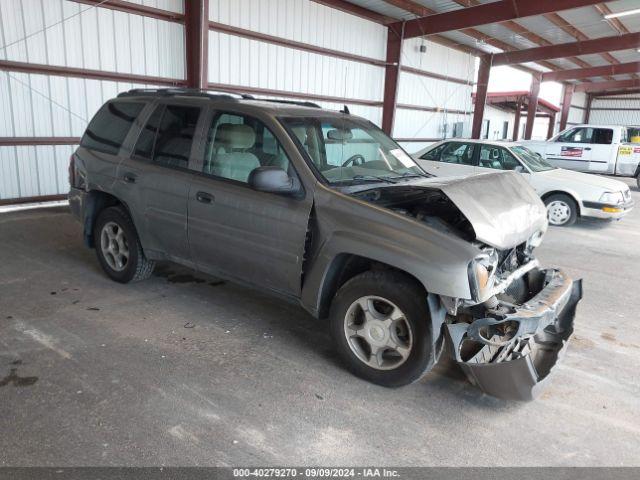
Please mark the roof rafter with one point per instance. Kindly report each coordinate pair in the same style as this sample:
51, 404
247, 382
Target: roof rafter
608, 86
579, 73
485, 13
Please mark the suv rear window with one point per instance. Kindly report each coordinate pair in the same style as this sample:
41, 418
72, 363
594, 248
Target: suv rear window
110, 126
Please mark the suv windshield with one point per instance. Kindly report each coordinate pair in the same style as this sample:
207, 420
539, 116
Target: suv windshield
348, 150
532, 160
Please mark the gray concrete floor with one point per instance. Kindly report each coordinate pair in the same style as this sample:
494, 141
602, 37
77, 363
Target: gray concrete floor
97, 373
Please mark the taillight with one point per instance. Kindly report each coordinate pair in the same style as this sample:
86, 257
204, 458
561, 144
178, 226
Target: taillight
72, 171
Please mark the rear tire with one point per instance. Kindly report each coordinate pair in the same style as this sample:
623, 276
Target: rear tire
118, 247
562, 210
389, 341
638, 181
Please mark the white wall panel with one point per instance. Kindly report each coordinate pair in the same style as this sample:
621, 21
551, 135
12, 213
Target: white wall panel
239, 61
612, 113
420, 124
65, 33
171, 5
304, 21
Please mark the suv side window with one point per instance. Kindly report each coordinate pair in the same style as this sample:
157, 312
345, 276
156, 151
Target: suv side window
168, 135
498, 158
238, 144
434, 154
460, 153
109, 127
602, 136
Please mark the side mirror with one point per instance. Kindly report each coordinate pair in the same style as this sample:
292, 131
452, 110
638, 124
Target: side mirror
271, 179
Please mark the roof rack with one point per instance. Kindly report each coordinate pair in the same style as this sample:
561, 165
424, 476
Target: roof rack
171, 92
195, 92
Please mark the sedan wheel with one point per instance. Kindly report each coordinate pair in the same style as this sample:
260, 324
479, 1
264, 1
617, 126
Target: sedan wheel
562, 210
378, 333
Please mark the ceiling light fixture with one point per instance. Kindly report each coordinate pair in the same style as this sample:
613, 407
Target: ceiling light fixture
635, 11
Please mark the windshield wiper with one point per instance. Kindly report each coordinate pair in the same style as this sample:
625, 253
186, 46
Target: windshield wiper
413, 175
366, 178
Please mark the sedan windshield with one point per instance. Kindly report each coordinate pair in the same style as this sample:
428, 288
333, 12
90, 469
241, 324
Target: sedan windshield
531, 159
347, 150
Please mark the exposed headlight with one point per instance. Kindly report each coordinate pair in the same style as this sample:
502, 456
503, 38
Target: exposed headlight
612, 197
482, 271
536, 239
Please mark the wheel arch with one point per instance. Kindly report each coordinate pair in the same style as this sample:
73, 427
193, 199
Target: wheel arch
97, 201
563, 192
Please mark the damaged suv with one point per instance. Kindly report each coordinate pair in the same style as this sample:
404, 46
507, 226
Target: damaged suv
324, 209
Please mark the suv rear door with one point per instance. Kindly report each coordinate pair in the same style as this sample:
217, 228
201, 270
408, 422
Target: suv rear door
154, 180
252, 236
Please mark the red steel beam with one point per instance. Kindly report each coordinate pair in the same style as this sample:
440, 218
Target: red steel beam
197, 42
498, 11
533, 106
481, 94
614, 93
607, 86
516, 125
136, 9
86, 73
567, 97
357, 10
606, 70
552, 125
391, 79
586, 47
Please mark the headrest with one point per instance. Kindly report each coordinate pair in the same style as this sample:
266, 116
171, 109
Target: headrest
232, 135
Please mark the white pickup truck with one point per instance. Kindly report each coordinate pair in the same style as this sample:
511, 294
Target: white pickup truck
609, 149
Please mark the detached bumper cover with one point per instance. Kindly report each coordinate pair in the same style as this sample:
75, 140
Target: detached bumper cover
519, 349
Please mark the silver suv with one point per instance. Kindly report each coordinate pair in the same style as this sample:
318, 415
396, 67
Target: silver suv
324, 209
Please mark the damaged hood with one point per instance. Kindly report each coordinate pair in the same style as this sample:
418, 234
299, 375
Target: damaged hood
502, 207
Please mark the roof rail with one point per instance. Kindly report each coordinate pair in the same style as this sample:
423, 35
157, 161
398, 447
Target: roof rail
195, 92
171, 92
290, 102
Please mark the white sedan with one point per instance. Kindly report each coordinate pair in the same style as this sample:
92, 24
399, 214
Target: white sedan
567, 194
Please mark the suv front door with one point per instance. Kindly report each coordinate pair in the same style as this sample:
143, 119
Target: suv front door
248, 235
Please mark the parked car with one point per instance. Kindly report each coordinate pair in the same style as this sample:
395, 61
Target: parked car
610, 149
322, 208
567, 195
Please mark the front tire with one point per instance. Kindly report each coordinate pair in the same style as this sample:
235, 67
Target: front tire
562, 210
118, 247
381, 326
638, 181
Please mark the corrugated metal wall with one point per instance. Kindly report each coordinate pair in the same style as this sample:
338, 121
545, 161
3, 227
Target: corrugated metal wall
578, 107
66, 33
618, 110
70, 34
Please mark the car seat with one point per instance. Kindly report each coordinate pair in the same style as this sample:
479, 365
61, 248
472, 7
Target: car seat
231, 158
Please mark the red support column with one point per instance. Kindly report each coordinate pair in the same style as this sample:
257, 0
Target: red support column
533, 106
391, 78
552, 125
587, 112
481, 94
566, 105
516, 125
196, 27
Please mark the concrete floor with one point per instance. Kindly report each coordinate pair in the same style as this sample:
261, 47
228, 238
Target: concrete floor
185, 370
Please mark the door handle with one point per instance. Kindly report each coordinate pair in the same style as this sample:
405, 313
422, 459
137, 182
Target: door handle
129, 178
587, 148
204, 197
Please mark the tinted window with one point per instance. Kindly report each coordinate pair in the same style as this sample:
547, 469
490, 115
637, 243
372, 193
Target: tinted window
497, 157
110, 126
167, 137
461, 153
238, 144
602, 136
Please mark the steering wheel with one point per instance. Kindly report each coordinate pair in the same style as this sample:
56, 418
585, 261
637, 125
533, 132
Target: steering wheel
356, 159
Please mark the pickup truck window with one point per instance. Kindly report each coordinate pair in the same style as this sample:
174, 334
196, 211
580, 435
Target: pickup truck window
237, 144
346, 150
577, 135
110, 126
602, 136
631, 135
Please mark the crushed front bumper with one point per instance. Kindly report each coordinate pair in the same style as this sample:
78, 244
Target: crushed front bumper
511, 354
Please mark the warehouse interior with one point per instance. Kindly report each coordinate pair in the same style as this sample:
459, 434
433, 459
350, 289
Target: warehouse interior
190, 370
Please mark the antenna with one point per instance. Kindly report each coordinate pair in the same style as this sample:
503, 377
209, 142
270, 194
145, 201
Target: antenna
345, 109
